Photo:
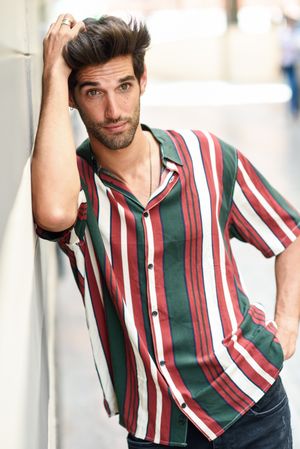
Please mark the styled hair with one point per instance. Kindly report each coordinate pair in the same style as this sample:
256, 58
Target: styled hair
104, 39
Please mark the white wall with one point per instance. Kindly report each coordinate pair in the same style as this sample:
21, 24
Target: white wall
27, 268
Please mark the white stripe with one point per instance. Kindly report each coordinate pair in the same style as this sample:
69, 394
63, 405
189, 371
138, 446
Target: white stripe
251, 361
124, 256
189, 412
94, 262
227, 294
265, 204
259, 306
220, 351
128, 297
142, 415
98, 351
228, 299
162, 186
247, 211
74, 239
158, 333
80, 264
104, 214
158, 402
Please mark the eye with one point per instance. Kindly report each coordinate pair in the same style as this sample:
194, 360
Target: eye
124, 87
93, 93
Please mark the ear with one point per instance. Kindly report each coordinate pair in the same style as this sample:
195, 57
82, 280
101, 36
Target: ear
143, 80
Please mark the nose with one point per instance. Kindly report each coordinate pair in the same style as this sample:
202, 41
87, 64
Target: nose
111, 108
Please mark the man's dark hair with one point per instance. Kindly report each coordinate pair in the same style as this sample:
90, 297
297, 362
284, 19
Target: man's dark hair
104, 39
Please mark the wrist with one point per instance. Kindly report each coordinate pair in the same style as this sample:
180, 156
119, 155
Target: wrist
287, 321
58, 71
54, 81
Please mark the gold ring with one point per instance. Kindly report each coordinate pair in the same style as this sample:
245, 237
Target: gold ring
67, 22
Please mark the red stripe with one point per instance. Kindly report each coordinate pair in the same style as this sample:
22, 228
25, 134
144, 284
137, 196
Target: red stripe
260, 210
163, 316
288, 220
236, 398
87, 173
138, 311
206, 358
227, 326
248, 233
98, 309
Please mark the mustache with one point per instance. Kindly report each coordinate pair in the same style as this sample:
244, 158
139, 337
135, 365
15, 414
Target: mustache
114, 121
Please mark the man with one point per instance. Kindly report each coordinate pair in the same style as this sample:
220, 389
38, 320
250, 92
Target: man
146, 218
289, 40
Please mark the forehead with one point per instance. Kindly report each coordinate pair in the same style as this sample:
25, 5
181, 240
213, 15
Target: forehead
113, 70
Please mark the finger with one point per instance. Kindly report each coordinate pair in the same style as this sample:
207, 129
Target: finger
79, 27
57, 24
50, 30
70, 21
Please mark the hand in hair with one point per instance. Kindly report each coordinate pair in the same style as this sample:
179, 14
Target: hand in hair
58, 35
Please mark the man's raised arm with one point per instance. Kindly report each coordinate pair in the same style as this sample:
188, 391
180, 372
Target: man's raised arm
55, 177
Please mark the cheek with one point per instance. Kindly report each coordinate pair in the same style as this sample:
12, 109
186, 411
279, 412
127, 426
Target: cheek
132, 102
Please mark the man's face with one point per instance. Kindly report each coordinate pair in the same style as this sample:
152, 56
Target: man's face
107, 97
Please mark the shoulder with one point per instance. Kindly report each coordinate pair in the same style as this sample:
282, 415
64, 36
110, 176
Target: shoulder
203, 140
84, 150
85, 160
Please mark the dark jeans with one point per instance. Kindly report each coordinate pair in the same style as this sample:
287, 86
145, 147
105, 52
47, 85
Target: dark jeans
265, 426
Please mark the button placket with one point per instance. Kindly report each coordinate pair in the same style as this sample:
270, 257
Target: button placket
150, 276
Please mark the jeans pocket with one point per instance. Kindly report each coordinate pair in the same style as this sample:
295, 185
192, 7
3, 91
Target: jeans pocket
272, 401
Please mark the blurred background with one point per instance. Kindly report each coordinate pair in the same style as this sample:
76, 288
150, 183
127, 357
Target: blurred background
229, 66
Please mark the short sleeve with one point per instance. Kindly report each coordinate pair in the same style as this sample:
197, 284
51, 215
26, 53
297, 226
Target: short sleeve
72, 235
259, 214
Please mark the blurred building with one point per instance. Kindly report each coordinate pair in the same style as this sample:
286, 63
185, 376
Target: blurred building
234, 40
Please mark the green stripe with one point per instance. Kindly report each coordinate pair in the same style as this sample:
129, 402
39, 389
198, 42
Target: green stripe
229, 175
179, 307
280, 199
264, 342
141, 257
114, 328
178, 428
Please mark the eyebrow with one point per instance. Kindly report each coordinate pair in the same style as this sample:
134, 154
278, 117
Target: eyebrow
97, 84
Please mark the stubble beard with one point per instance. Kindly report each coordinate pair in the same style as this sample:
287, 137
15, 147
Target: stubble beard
115, 141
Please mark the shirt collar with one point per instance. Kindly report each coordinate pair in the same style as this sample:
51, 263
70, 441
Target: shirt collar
167, 147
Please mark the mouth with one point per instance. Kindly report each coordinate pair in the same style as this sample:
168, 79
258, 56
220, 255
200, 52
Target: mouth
115, 127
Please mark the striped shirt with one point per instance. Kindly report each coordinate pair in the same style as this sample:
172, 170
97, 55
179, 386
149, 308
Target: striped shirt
173, 333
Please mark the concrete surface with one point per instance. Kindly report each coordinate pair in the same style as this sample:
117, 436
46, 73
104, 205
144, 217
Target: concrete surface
271, 139
27, 282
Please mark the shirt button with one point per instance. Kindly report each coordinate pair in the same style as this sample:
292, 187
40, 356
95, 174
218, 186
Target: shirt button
183, 405
154, 313
162, 363
150, 266
146, 214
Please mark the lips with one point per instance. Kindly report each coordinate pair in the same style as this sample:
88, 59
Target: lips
115, 127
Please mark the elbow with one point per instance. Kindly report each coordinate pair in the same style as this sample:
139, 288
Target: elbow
56, 220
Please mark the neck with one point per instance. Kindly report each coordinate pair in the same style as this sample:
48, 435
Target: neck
124, 162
